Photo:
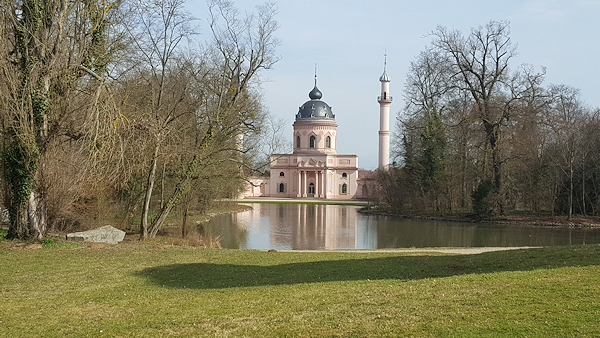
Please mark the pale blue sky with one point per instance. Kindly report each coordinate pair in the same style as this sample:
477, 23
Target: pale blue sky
347, 40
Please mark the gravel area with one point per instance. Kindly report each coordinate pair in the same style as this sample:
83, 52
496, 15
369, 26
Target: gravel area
458, 251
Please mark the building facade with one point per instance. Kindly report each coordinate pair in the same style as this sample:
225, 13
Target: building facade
314, 169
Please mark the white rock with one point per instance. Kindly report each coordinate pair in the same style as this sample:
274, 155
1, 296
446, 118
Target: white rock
106, 234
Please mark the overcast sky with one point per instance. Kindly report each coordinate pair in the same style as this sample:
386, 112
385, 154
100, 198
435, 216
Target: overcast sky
348, 38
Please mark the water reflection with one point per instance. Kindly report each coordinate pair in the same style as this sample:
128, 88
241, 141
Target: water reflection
313, 227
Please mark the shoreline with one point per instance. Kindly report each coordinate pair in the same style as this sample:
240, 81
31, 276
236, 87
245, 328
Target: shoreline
532, 221
577, 222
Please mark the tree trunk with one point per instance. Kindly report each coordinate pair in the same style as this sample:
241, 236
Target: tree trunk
184, 223
28, 220
570, 188
36, 215
463, 176
148, 197
583, 211
19, 227
162, 186
182, 188
493, 135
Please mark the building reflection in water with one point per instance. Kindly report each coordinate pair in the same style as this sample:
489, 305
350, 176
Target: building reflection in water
314, 227
300, 226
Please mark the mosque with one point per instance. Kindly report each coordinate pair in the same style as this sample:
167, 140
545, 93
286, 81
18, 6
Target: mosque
315, 169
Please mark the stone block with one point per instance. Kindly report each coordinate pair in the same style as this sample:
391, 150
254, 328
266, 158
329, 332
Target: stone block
106, 234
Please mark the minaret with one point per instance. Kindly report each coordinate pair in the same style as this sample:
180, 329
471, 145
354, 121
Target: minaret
384, 118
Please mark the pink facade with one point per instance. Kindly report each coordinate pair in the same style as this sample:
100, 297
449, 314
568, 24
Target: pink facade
316, 176
314, 170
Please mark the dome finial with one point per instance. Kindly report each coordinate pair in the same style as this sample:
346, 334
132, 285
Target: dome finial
315, 94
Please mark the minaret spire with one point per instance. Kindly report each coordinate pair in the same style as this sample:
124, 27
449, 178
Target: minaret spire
384, 118
385, 62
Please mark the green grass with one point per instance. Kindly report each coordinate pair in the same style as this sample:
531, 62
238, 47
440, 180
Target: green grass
49, 242
151, 290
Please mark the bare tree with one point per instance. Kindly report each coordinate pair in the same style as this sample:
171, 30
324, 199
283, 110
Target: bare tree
158, 81
242, 47
567, 118
480, 67
54, 58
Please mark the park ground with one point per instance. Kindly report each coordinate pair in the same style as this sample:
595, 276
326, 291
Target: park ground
156, 288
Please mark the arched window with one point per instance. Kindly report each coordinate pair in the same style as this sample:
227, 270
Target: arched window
281, 174
297, 141
344, 188
328, 142
344, 175
281, 187
312, 141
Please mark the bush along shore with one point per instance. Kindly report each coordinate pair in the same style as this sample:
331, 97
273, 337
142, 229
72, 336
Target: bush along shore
515, 219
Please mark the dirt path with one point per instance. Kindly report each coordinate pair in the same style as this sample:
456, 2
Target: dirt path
458, 251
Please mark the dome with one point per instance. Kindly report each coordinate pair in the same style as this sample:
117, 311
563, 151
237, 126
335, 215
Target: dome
315, 94
384, 77
315, 108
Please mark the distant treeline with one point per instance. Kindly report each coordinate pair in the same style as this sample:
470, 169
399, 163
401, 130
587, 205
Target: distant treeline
477, 135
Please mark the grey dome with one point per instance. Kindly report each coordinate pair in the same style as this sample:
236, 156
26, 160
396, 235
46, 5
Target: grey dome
384, 77
315, 94
315, 108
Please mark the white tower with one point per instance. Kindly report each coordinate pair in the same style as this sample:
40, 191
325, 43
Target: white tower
384, 118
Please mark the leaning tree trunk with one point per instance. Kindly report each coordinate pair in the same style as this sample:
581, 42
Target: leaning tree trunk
180, 190
148, 197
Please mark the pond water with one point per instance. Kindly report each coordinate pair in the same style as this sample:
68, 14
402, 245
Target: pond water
318, 227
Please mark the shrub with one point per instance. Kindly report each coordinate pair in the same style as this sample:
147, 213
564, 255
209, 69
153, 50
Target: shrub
483, 200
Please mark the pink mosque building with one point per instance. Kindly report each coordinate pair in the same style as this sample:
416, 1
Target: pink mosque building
315, 169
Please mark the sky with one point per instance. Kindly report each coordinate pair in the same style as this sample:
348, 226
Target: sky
347, 39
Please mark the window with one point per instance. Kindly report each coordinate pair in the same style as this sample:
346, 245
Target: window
344, 188
328, 142
281, 187
312, 141
281, 173
344, 175
297, 141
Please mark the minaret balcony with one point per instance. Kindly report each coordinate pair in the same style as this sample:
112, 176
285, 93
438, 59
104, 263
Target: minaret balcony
385, 99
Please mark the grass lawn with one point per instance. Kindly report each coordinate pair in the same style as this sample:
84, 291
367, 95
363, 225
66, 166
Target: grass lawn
152, 290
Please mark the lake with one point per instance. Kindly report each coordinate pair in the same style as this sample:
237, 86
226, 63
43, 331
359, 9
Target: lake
329, 227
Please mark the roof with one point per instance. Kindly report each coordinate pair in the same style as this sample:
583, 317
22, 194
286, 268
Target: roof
315, 108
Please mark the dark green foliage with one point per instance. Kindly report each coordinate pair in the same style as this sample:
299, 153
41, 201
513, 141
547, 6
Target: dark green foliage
424, 173
433, 153
47, 241
397, 190
482, 205
21, 160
